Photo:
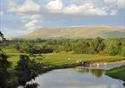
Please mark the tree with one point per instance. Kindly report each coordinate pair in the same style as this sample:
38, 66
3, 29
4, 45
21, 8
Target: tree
123, 48
22, 71
27, 69
113, 47
4, 64
99, 44
4, 74
2, 36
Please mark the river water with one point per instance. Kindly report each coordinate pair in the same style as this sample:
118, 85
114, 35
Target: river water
79, 77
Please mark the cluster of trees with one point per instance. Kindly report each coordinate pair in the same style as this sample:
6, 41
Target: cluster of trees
82, 46
25, 70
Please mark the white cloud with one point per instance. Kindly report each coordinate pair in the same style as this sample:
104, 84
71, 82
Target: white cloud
55, 6
72, 9
88, 7
26, 17
27, 7
108, 7
121, 4
35, 17
31, 25
85, 9
110, 1
24, 11
32, 22
12, 6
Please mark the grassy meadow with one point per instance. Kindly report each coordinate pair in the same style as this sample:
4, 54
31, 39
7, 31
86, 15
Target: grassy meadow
63, 57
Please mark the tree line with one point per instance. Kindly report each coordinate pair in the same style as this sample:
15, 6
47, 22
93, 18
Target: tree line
82, 46
25, 70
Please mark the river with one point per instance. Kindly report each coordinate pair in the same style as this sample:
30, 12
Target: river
79, 77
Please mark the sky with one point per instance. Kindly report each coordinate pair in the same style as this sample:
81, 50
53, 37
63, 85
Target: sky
18, 17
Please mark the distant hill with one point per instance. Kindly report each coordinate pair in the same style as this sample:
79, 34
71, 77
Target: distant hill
78, 32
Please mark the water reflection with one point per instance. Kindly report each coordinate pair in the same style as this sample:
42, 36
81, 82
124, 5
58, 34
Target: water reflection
95, 72
30, 85
77, 78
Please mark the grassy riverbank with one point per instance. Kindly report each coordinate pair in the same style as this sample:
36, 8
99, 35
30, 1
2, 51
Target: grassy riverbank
118, 73
48, 62
66, 58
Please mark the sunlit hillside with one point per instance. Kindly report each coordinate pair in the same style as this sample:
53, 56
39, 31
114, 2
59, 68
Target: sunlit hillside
78, 32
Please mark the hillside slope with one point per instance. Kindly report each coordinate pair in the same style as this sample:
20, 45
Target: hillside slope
78, 32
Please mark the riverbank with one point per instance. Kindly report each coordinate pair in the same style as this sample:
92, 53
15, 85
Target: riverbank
67, 60
60, 59
46, 62
118, 73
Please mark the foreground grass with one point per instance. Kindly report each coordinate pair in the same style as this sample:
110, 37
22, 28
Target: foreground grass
66, 58
118, 73
62, 58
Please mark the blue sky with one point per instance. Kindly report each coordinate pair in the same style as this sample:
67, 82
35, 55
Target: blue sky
18, 17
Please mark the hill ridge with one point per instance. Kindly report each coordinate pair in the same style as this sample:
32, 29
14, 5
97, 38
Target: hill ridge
77, 32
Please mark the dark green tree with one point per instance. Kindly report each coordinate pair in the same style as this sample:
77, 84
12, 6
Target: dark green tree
4, 74
27, 69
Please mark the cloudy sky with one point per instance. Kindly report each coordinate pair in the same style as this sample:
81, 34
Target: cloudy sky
22, 16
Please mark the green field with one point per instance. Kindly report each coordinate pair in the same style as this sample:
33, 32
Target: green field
67, 58
64, 58
118, 73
